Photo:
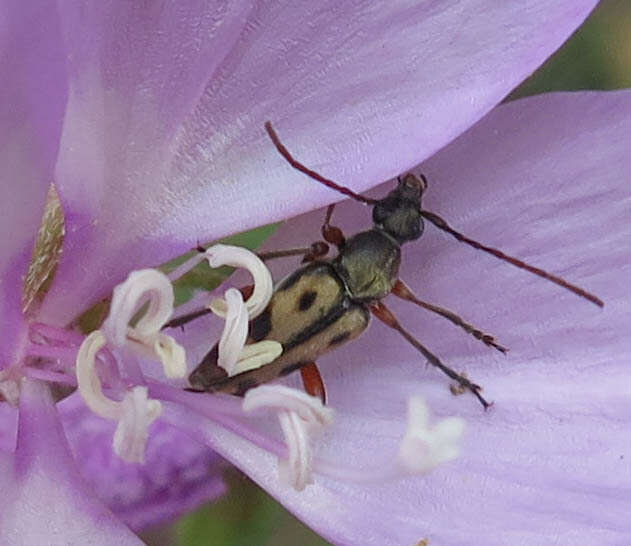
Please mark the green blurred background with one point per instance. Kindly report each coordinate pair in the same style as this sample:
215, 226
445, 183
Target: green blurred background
598, 56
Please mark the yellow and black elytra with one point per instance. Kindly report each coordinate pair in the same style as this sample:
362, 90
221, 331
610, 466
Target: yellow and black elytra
328, 302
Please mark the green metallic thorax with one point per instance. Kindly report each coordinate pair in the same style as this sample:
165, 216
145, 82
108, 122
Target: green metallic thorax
369, 265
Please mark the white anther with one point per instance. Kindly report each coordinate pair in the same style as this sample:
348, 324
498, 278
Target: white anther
235, 256
300, 416
137, 414
424, 448
258, 354
152, 288
134, 414
235, 331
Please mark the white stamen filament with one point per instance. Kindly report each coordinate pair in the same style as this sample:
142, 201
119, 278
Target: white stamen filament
300, 415
88, 381
281, 397
138, 412
296, 470
235, 331
233, 355
134, 414
129, 296
296, 463
235, 256
423, 448
141, 287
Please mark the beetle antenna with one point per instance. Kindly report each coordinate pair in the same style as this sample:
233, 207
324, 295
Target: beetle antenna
306, 170
442, 224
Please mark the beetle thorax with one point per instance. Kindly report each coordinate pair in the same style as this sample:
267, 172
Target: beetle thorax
369, 264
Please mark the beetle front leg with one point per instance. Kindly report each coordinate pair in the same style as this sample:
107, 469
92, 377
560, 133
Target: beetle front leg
401, 290
331, 233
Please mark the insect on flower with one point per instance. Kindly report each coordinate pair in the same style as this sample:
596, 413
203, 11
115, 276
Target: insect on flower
328, 301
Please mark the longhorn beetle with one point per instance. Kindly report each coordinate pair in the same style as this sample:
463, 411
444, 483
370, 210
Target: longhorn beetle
328, 302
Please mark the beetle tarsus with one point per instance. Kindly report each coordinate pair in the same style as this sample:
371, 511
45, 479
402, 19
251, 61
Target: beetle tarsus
387, 317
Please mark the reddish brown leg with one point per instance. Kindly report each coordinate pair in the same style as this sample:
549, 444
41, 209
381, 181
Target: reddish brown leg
385, 315
313, 252
312, 381
402, 291
331, 233
319, 249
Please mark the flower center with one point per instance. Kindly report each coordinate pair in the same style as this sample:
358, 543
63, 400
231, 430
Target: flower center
109, 376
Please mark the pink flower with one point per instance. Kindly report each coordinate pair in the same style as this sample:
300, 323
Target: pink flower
149, 119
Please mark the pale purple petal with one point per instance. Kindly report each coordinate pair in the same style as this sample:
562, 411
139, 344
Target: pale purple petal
148, 166
44, 501
545, 179
179, 473
32, 98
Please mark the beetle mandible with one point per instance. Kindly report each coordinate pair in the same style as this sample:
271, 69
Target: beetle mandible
328, 302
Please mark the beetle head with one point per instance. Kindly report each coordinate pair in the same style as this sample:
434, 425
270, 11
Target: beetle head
399, 212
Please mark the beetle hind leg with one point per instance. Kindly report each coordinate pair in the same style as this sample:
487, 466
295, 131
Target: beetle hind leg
387, 317
312, 381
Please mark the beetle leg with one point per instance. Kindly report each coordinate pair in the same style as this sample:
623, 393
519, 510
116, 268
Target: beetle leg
385, 315
185, 319
402, 291
207, 371
312, 381
331, 233
317, 250
246, 292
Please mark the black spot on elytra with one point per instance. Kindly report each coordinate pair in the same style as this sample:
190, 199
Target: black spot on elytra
261, 325
339, 338
291, 368
306, 300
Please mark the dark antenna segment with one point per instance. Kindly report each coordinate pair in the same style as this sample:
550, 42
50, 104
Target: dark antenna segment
442, 224
434, 219
302, 168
